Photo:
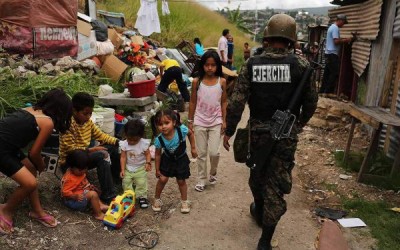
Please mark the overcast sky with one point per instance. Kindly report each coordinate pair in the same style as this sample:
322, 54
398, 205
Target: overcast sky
262, 4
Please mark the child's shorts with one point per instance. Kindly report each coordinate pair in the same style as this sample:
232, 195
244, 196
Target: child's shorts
178, 169
77, 205
10, 161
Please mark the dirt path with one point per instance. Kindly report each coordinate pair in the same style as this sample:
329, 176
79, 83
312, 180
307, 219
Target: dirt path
220, 217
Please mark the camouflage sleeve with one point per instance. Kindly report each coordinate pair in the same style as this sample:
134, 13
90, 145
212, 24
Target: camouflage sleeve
310, 98
238, 99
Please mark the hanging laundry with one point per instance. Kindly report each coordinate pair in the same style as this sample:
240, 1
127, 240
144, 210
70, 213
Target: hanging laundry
148, 21
165, 8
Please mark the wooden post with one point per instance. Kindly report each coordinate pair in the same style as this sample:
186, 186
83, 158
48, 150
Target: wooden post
396, 164
371, 151
350, 138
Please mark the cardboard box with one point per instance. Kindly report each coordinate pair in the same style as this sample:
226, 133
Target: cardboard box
113, 67
229, 72
115, 38
137, 40
84, 28
87, 46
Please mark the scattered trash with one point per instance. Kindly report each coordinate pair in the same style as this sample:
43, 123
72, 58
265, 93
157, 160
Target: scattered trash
274, 243
352, 222
396, 209
345, 177
330, 213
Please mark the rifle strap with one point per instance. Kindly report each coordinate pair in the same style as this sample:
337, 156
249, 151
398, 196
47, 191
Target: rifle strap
249, 138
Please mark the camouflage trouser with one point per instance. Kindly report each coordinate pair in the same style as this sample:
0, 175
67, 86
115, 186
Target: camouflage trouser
274, 179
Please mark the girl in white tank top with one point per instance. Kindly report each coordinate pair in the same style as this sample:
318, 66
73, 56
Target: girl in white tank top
207, 112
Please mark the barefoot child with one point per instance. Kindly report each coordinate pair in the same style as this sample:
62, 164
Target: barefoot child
135, 160
17, 130
76, 190
207, 112
171, 159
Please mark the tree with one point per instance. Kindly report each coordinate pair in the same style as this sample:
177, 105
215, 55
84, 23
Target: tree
236, 18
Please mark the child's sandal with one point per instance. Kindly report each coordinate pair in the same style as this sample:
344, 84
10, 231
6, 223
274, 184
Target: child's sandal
199, 187
143, 202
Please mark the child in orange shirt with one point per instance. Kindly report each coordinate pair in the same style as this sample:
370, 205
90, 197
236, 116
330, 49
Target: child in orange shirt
75, 187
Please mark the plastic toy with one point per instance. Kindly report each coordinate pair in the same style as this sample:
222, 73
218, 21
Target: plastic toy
122, 207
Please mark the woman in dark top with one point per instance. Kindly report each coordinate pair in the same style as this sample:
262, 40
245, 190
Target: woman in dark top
231, 48
17, 130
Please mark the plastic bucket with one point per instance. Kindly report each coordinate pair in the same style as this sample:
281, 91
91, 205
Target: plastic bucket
108, 125
118, 127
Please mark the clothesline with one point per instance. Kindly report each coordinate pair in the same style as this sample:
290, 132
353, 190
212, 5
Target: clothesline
148, 20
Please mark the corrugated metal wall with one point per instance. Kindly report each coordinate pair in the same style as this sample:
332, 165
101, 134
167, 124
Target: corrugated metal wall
380, 54
364, 19
396, 25
395, 132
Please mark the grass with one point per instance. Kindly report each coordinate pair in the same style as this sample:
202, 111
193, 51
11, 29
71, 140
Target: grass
16, 91
186, 21
384, 223
380, 165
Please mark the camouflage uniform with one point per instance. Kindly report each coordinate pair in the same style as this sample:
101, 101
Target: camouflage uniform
273, 180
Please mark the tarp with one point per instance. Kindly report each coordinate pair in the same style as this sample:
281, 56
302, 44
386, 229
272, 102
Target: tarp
44, 28
39, 13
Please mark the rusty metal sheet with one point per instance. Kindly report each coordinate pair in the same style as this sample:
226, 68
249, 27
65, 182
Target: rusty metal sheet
360, 56
364, 18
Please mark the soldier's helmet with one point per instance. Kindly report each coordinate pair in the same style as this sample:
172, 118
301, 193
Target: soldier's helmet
281, 25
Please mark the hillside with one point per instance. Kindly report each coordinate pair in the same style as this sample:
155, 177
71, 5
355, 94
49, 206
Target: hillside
186, 21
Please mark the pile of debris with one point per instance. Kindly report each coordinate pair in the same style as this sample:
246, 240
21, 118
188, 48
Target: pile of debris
25, 66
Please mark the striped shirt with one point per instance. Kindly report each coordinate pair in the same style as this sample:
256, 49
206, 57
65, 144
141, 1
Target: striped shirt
79, 137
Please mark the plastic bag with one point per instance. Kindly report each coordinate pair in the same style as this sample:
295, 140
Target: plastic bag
101, 30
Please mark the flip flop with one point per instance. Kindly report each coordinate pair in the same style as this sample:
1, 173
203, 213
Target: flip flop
8, 223
199, 187
44, 220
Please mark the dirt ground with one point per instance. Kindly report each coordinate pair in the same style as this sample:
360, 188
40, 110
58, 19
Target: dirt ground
219, 218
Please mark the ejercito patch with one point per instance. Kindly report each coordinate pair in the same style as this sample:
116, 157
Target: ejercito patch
271, 73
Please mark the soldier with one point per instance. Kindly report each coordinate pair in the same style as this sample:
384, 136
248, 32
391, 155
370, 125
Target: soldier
267, 83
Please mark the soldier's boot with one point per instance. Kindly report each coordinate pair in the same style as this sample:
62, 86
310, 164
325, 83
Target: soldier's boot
265, 241
256, 211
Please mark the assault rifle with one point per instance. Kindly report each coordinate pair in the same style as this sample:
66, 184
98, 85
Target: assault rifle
280, 129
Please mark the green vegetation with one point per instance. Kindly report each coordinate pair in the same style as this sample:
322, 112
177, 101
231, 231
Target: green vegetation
330, 186
236, 18
186, 21
384, 223
361, 90
381, 166
16, 91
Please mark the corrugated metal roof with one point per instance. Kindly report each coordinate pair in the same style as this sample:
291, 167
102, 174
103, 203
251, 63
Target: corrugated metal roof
396, 25
346, 2
364, 18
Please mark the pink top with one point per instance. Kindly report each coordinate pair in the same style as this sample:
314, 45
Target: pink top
208, 108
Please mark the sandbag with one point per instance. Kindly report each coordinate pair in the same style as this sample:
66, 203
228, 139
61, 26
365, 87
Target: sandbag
105, 48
